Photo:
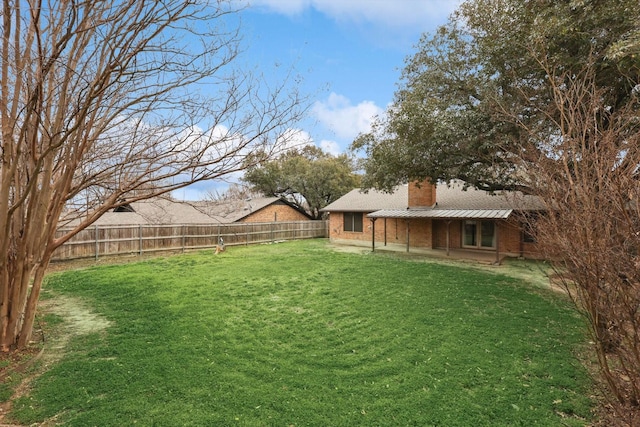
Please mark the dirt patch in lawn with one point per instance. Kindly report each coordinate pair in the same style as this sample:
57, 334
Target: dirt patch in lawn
77, 319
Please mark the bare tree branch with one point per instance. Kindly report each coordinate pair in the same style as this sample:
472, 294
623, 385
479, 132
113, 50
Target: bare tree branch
103, 102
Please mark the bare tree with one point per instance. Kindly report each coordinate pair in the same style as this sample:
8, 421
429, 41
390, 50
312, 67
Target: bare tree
589, 180
106, 102
233, 193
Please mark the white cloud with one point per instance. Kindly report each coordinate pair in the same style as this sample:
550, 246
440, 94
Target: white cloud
344, 119
396, 13
285, 7
190, 194
292, 139
330, 147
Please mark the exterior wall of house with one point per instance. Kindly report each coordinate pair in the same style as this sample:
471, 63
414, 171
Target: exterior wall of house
420, 233
395, 230
275, 212
440, 234
336, 228
429, 234
509, 238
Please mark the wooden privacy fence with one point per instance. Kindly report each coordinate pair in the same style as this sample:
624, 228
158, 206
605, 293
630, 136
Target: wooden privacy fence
111, 240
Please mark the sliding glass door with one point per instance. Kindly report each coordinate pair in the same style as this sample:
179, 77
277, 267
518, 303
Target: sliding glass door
479, 234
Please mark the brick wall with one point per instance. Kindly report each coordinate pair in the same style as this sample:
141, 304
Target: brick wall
422, 194
440, 234
277, 211
336, 228
395, 230
427, 233
420, 233
509, 237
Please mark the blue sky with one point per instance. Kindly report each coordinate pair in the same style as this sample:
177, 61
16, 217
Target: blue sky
349, 54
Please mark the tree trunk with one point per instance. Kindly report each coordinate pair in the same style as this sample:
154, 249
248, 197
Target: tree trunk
99, 108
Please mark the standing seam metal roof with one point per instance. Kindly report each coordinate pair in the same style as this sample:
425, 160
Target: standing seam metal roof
443, 213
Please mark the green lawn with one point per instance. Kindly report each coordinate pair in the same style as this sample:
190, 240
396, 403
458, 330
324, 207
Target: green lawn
298, 334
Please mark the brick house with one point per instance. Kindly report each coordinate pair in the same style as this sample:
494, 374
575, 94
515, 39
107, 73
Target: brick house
258, 209
443, 217
169, 211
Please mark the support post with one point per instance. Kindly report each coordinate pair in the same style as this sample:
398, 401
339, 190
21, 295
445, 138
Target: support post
407, 235
497, 243
97, 243
385, 231
448, 236
373, 234
273, 228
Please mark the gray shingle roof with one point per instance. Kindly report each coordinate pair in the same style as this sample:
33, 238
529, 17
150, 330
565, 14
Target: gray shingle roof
234, 210
452, 201
157, 211
454, 196
357, 200
167, 211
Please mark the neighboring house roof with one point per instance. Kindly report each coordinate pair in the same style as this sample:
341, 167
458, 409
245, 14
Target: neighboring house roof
452, 201
155, 211
235, 210
167, 211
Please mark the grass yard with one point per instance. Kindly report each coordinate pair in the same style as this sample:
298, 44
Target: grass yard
296, 334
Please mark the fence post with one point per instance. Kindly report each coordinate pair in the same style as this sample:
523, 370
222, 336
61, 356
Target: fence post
96, 238
183, 238
140, 239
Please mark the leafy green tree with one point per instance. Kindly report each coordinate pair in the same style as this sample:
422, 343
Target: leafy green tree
308, 177
541, 96
475, 99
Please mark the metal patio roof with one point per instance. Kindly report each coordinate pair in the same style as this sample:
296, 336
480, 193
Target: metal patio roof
443, 213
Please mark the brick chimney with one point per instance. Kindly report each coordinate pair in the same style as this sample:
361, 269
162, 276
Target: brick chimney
422, 194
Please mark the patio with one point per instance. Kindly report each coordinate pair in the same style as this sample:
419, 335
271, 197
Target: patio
485, 257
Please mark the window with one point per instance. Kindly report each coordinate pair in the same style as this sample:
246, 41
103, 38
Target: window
488, 234
470, 233
353, 221
527, 236
528, 229
479, 234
